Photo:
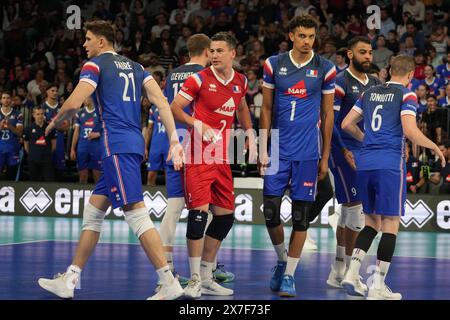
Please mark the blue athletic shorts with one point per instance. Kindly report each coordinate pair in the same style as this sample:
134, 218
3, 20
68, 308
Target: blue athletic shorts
299, 176
59, 158
121, 179
10, 159
89, 159
174, 183
383, 191
345, 178
157, 160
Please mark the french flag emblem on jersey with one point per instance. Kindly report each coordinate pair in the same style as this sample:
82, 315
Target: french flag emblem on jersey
236, 89
311, 73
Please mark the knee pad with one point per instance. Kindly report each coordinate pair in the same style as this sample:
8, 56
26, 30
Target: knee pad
196, 224
170, 220
324, 194
342, 217
139, 221
272, 206
92, 218
300, 215
220, 226
355, 218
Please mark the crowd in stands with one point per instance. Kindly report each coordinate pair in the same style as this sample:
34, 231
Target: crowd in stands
38, 52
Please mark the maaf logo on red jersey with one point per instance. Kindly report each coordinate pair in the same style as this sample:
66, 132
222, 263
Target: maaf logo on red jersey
298, 90
227, 109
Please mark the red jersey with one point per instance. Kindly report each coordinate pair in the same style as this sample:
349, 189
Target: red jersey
214, 103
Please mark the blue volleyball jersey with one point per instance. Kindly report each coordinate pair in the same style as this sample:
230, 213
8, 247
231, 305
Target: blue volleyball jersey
384, 143
444, 102
348, 90
436, 84
159, 142
298, 91
9, 142
88, 122
50, 114
443, 71
174, 82
118, 82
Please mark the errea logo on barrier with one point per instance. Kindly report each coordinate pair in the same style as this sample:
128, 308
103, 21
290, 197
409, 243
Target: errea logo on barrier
32, 200
156, 204
418, 213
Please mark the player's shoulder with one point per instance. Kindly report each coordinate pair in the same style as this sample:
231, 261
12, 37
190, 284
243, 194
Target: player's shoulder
373, 80
240, 77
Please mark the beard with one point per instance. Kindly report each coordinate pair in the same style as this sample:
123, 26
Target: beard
360, 67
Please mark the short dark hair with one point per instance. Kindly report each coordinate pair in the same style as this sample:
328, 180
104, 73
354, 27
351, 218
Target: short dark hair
51, 85
227, 37
6, 92
304, 20
197, 43
37, 107
355, 40
101, 28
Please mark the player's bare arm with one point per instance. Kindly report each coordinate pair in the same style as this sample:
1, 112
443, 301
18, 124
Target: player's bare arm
155, 96
82, 91
148, 138
178, 105
73, 149
417, 137
265, 125
17, 129
327, 117
53, 142
243, 115
350, 125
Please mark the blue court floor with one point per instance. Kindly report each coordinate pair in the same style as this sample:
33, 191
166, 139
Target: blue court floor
118, 270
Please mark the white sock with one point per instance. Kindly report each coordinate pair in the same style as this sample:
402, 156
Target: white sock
355, 264
206, 269
169, 258
194, 265
281, 251
72, 272
164, 275
348, 259
291, 266
381, 270
339, 260
215, 264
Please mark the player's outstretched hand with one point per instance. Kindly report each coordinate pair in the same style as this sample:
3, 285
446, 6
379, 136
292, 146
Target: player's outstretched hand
49, 128
263, 163
176, 153
323, 169
348, 155
441, 156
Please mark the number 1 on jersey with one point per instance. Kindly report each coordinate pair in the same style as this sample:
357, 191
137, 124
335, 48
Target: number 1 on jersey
294, 103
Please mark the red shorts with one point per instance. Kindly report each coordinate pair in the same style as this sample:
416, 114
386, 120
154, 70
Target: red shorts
208, 184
